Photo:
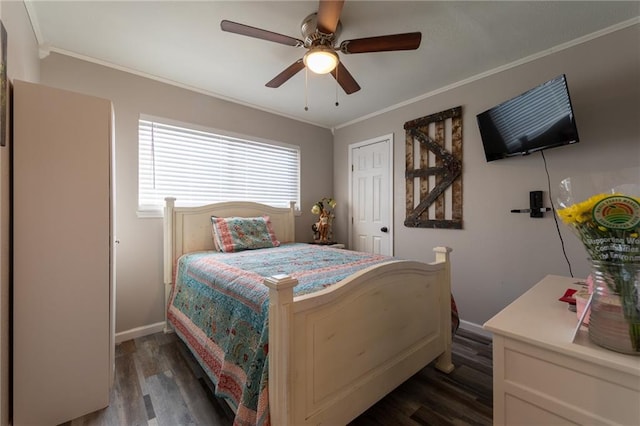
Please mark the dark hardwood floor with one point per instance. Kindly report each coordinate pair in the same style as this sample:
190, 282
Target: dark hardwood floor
430, 397
158, 382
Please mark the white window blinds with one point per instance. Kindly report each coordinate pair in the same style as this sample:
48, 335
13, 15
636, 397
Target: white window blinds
197, 167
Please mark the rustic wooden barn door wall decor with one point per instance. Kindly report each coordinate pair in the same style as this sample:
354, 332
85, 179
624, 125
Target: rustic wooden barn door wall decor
434, 174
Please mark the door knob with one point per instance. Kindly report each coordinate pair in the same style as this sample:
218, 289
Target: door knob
384, 229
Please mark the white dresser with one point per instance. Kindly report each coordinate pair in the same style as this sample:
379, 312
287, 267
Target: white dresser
541, 377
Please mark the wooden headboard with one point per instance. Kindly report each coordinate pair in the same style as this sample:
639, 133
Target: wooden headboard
188, 229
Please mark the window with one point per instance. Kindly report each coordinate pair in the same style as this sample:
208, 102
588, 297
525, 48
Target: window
198, 167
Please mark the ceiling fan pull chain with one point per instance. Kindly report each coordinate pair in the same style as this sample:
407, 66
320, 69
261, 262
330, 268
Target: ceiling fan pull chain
337, 86
306, 89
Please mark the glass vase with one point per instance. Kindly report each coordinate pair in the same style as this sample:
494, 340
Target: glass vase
614, 321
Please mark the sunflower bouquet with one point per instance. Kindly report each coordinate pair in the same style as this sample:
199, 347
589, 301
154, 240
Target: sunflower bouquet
608, 225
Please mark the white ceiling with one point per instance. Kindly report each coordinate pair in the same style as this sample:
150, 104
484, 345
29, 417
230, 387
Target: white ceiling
181, 42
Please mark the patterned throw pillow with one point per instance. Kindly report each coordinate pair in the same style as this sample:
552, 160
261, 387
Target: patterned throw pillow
213, 234
233, 234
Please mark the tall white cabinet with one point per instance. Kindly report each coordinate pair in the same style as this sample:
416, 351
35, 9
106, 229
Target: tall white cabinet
63, 292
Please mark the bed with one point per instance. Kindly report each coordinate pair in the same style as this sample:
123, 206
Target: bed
332, 352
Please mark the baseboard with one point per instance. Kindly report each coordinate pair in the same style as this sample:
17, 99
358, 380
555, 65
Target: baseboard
475, 328
134, 333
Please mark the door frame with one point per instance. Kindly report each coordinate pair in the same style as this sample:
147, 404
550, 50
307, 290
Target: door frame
378, 139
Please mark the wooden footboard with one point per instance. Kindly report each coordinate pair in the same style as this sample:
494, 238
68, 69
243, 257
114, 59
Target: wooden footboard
334, 353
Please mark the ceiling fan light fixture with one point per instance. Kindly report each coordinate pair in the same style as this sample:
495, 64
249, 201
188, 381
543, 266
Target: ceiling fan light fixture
321, 59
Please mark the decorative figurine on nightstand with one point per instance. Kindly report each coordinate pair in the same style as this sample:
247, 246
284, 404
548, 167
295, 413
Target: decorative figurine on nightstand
322, 232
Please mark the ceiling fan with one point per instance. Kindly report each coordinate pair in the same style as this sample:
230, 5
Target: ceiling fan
320, 32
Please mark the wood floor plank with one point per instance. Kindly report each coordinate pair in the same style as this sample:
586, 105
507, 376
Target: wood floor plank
426, 416
147, 353
451, 398
126, 347
169, 407
131, 410
195, 395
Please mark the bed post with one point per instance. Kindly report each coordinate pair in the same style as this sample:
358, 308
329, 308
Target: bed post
443, 363
168, 255
280, 346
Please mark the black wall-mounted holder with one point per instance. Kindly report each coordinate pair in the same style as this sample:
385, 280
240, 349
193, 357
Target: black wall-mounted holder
535, 205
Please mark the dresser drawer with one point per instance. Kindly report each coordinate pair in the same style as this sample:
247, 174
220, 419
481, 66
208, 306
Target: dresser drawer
573, 389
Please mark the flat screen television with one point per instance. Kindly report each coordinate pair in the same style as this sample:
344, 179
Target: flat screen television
538, 119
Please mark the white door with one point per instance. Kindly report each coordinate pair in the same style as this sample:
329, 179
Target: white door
371, 195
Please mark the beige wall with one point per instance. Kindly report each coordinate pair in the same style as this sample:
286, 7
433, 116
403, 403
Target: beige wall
139, 289
22, 63
499, 255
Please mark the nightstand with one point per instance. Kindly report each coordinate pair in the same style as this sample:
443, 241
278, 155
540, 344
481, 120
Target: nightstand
333, 244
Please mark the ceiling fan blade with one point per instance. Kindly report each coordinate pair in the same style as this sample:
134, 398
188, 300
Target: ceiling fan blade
329, 15
246, 30
406, 41
285, 75
345, 79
